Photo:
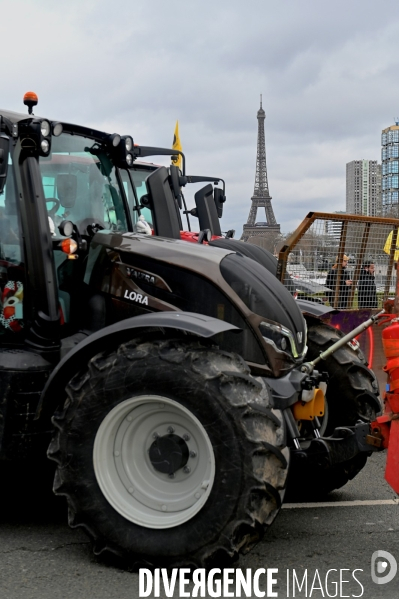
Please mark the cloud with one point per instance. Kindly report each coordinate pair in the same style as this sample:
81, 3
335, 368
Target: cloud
328, 73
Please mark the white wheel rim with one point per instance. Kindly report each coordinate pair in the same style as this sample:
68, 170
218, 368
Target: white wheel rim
126, 475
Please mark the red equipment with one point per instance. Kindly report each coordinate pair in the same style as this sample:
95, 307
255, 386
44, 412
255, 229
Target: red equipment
192, 237
387, 425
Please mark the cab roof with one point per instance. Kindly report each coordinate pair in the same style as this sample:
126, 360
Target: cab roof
16, 117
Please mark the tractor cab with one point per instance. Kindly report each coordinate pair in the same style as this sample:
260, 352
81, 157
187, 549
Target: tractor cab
80, 183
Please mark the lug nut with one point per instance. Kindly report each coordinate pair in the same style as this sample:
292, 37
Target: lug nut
193, 454
155, 436
171, 475
186, 469
171, 430
186, 437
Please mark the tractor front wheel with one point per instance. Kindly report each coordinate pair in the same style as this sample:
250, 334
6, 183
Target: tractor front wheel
169, 453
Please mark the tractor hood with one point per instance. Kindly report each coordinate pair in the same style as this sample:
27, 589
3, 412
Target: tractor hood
143, 273
265, 296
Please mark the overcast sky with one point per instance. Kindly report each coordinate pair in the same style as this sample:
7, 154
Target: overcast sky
328, 72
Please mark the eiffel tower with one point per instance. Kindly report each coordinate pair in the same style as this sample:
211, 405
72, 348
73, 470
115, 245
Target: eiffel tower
261, 233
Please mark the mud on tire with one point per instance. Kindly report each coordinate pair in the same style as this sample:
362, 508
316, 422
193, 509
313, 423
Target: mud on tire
352, 395
203, 388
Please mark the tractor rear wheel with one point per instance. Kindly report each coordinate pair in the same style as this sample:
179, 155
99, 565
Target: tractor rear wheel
169, 453
352, 395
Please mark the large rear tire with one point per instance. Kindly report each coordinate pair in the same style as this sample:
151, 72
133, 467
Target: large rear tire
352, 395
169, 454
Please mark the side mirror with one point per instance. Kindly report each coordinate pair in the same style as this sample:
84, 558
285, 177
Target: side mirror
175, 184
4, 151
207, 214
162, 204
220, 198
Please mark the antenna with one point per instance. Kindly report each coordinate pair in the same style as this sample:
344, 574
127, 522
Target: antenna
395, 118
261, 100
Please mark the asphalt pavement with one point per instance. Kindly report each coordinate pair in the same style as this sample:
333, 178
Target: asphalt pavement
42, 558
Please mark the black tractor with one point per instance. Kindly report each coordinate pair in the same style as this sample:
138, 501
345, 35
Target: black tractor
167, 379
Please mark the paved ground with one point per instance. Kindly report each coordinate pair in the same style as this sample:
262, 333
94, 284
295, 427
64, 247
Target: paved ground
41, 558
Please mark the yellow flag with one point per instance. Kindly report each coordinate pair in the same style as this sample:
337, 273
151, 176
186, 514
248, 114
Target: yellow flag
388, 243
177, 160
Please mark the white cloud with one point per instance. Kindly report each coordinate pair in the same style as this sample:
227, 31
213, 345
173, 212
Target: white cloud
328, 72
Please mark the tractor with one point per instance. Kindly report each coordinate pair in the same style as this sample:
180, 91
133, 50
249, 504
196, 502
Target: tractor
166, 379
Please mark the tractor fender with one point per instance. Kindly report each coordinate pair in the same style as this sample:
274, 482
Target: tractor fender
115, 334
309, 308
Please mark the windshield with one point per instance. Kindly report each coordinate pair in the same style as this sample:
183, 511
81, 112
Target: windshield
80, 184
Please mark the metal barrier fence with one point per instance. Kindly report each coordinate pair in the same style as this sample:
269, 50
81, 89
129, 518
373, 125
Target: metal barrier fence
313, 259
344, 260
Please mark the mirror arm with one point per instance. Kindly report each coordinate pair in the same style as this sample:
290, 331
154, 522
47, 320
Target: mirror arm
200, 179
145, 151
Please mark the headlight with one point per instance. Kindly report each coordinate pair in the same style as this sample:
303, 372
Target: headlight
39, 131
114, 140
282, 338
121, 148
45, 128
57, 129
129, 144
45, 146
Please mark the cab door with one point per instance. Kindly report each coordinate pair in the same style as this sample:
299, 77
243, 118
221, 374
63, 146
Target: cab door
81, 185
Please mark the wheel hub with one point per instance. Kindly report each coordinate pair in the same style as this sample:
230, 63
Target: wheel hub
169, 453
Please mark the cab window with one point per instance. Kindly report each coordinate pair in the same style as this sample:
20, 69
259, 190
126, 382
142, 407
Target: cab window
80, 184
139, 176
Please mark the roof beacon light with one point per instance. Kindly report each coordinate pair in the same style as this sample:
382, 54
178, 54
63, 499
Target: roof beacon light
30, 100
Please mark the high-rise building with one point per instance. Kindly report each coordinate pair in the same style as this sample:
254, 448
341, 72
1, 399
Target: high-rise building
390, 169
266, 232
334, 227
363, 187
